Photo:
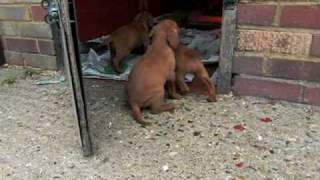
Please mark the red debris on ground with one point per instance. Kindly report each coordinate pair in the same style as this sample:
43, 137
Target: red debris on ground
266, 120
239, 127
239, 165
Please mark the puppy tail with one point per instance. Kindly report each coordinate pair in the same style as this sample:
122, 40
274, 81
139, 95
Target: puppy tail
136, 113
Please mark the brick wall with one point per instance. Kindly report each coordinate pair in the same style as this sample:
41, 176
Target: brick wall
278, 50
26, 38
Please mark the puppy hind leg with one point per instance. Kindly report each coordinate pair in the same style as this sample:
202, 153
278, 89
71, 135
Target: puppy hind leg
183, 87
210, 88
172, 87
202, 74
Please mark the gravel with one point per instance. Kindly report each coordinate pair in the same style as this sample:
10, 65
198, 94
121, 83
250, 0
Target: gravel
235, 138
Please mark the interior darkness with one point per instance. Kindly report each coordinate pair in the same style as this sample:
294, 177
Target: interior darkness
210, 7
96, 18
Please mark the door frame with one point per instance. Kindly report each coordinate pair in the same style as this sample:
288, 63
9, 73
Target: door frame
227, 45
70, 40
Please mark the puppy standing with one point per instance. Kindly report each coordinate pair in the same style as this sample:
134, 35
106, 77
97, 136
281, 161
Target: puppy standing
189, 61
129, 37
147, 79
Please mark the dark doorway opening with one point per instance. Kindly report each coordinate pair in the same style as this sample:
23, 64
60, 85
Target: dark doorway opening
100, 104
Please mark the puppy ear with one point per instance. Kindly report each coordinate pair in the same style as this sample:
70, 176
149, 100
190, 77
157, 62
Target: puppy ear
152, 31
145, 26
173, 38
151, 22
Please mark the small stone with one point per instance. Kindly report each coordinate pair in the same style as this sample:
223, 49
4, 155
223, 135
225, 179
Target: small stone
110, 125
196, 133
104, 160
287, 143
71, 166
165, 168
173, 153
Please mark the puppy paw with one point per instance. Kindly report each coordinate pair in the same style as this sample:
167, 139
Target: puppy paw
184, 91
212, 99
176, 96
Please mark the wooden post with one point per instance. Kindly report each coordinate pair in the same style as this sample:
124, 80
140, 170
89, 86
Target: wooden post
227, 46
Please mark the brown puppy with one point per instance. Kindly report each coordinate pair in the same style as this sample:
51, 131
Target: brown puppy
146, 81
189, 61
129, 37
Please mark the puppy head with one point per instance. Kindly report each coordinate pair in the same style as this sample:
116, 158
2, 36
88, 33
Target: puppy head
170, 32
145, 19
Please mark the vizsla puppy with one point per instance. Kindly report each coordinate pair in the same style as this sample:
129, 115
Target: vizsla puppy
129, 37
147, 79
189, 61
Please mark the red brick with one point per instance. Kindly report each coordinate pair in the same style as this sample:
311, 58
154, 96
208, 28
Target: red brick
38, 13
20, 13
281, 42
301, 16
315, 46
247, 65
256, 14
279, 68
14, 58
35, 29
21, 45
40, 61
46, 47
268, 88
1, 53
312, 95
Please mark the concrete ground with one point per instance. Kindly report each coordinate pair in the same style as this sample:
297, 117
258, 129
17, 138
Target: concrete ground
235, 138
